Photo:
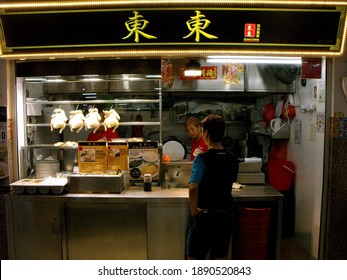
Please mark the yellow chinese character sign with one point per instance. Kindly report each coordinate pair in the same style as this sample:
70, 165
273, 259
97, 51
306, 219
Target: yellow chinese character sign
197, 24
318, 29
136, 25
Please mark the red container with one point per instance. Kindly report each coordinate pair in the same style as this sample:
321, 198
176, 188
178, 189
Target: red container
280, 174
251, 235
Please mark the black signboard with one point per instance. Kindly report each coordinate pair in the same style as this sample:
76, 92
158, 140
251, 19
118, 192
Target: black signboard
243, 28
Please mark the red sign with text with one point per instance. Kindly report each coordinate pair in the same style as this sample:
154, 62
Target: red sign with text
250, 30
207, 73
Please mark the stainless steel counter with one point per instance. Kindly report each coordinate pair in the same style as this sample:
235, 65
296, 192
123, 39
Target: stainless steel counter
256, 193
131, 225
137, 194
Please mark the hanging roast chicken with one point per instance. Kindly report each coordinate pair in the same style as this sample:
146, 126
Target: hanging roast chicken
111, 119
58, 120
76, 120
92, 120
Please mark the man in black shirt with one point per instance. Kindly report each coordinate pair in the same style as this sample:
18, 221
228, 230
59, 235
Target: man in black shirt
210, 198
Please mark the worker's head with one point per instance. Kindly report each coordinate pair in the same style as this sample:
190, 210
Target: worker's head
193, 129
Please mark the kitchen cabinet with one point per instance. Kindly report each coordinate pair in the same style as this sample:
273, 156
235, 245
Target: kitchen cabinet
167, 227
35, 230
132, 225
45, 230
105, 231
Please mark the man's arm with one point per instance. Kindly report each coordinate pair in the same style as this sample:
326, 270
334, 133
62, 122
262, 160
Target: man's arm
193, 198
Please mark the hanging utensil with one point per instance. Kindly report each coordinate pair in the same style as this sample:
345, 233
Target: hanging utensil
137, 130
279, 107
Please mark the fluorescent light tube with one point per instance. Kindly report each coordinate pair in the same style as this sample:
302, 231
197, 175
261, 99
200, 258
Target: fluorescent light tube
255, 59
192, 73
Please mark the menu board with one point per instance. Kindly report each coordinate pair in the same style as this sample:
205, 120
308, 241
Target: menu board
143, 159
117, 156
92, 157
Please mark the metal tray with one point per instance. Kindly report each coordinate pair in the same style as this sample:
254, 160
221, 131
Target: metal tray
37, 186
78, 183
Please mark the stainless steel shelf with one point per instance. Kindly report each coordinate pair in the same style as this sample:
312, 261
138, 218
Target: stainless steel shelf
49, 146
121, 124
178, 162
114, 101
141, 97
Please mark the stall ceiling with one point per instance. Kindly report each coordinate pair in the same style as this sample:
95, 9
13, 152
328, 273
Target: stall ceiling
88, 67
157, 29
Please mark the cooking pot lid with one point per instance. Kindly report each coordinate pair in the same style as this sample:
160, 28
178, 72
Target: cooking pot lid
175, 149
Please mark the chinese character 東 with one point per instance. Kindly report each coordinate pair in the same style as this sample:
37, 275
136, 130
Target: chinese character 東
197, 24
136, 25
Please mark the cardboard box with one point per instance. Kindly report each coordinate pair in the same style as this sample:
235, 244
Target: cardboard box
92, 157
143, 159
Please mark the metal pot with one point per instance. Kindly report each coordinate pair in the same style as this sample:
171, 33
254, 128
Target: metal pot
69, 160
47, 168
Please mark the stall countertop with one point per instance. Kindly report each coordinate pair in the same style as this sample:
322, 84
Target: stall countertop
137, 194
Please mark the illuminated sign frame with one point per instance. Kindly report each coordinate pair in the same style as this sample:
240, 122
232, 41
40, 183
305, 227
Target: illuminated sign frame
158, 32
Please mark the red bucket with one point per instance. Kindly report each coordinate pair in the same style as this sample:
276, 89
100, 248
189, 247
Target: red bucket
280, 174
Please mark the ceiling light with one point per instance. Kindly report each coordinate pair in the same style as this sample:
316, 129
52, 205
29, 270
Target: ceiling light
255, 59
35, 79
192, 69
55, 80
153, 76
91, 79
90, 95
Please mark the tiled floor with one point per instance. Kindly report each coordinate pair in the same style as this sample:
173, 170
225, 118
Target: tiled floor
292, 250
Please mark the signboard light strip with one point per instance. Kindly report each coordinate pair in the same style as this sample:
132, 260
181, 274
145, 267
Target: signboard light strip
250, 59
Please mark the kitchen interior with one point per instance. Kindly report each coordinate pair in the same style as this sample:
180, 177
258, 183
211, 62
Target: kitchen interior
151, 105
238, 92
154, 110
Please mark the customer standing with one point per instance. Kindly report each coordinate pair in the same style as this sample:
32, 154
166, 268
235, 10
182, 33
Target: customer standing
210, 198
193, 129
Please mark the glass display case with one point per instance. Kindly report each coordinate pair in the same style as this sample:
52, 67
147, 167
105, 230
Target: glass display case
136, 101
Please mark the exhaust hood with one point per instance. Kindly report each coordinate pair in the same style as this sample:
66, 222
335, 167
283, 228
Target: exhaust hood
227, 77
270, 78
97, 84
235, 77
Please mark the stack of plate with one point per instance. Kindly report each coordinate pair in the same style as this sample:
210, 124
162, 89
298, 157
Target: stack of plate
175, 149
